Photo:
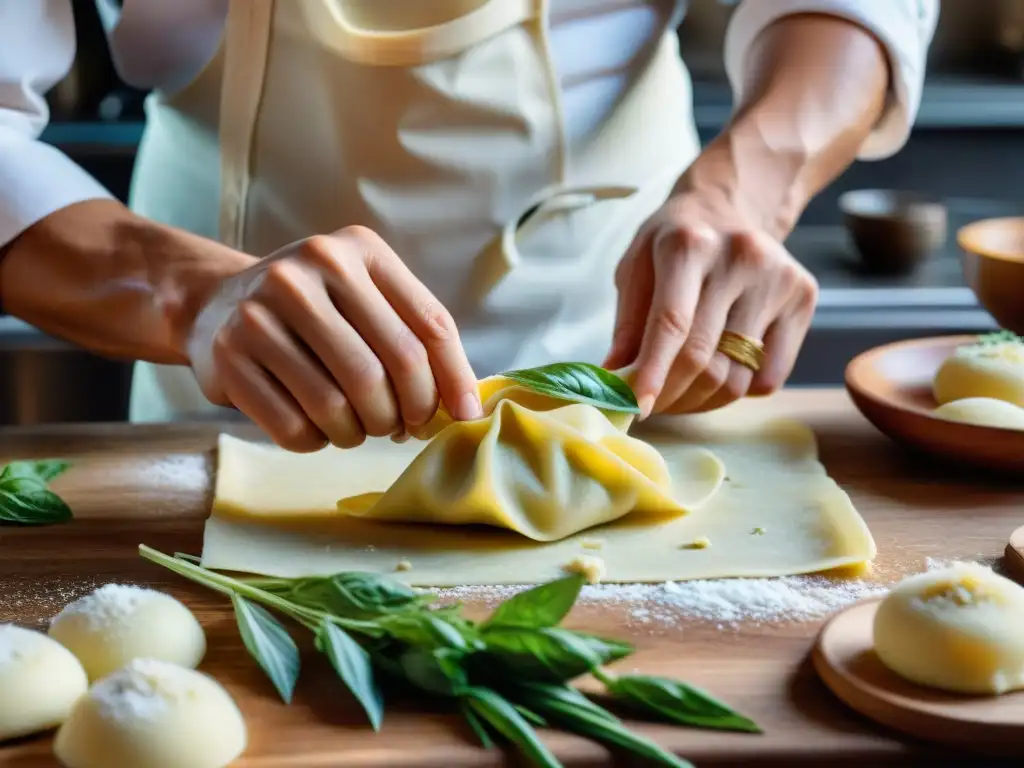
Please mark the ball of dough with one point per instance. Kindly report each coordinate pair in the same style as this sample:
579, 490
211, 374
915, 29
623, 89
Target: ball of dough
983, 370
40, 680
155, 714
983, 412
117, 623
959, 629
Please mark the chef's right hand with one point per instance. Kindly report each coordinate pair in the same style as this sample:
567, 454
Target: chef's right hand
331, 339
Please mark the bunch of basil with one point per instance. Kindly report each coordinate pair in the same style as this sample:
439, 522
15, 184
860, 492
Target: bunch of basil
506, 675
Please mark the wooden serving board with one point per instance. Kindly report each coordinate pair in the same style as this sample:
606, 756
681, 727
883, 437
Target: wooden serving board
845, 659
152, 485
1014, 556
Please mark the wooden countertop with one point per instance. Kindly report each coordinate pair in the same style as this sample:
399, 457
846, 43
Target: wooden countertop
152, 484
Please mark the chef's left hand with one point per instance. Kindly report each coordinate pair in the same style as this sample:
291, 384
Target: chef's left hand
697, 267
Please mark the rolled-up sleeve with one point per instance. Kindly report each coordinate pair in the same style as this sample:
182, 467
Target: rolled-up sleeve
904, 27
37, 47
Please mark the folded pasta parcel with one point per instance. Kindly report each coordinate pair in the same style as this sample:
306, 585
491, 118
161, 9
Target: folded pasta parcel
541, 467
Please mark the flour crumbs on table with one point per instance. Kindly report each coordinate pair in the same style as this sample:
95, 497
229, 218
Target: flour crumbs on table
37, 600
728, 603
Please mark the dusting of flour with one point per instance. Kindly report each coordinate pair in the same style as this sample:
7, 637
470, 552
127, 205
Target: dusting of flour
726, 602
142, 691
109, 606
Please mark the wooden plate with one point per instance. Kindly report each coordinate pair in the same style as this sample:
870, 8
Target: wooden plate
1014, 558
844, 658
892, 386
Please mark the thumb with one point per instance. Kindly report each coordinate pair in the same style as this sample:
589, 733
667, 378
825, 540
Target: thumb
202, 349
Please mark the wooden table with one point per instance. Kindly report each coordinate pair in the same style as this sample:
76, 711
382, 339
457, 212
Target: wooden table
152, 484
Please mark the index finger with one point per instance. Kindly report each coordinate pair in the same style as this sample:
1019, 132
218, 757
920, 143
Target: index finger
435, 328
677, 286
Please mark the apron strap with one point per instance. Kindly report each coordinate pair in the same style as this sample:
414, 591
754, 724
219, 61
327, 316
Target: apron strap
246, 41
327, 22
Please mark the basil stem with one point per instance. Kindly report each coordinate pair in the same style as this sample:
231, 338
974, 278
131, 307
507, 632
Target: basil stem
476, 726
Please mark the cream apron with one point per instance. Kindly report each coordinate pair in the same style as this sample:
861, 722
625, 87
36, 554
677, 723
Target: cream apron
438, 124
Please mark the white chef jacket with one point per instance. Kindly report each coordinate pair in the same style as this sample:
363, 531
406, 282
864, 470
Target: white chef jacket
162, 44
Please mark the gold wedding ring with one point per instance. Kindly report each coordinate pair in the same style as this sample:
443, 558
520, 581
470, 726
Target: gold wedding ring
742, 349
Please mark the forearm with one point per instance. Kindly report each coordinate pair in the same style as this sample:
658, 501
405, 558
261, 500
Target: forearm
816, 86
100, 276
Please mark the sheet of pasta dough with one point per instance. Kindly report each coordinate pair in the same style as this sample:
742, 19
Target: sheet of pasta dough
777, 514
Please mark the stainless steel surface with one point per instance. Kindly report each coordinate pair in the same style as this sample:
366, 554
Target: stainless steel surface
43, 380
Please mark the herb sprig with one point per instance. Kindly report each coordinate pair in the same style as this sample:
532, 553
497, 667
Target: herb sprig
506, 675
988, 344
25, 496
579, 383
999, 337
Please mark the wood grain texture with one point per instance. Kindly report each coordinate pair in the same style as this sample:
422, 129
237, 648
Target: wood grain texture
844, 658
152, 484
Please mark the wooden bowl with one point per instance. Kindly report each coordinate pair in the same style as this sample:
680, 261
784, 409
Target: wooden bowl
892, 386
894, 231
993, 264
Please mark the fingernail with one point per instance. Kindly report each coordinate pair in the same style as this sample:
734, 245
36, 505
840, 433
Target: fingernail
646, 404
470, 407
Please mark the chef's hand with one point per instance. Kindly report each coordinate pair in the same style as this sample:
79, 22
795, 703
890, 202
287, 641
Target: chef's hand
696, 268
331, 339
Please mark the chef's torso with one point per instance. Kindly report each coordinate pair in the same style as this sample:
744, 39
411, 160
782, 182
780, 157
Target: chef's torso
508, 163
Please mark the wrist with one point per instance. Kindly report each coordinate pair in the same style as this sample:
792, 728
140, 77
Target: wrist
113, 282
760, 177
193, 269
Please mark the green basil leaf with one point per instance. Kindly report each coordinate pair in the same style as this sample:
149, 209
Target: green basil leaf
426, 629
542, 606
503, 717
562, 711
565, 694
269, 643
435, 670
608, 650
43, 470
677, 702
352, 663
579, 383
25, 502
549, 654
531, 717
355, 595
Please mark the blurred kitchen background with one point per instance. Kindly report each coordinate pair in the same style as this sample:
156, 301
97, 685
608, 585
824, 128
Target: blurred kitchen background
967, 151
